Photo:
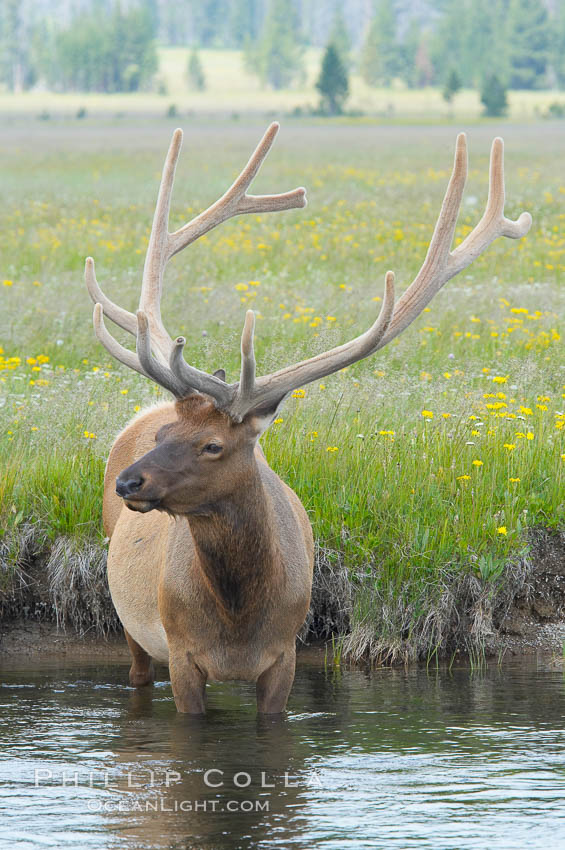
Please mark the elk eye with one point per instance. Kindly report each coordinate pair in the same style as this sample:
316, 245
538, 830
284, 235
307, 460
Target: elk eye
213, 448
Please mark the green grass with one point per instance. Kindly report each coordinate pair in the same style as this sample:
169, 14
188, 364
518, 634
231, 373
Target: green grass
397, 508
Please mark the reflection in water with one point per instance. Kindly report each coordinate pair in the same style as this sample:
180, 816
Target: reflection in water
389, 758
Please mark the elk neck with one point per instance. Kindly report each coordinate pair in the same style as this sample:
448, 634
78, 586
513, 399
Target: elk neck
237, 550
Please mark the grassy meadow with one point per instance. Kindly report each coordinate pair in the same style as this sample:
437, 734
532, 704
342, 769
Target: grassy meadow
232, 91
420, 467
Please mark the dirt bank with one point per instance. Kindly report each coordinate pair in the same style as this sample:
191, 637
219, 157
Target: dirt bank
33, 639
56, 603
536, 618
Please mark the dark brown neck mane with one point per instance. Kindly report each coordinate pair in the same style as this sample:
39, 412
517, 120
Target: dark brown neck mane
236, 549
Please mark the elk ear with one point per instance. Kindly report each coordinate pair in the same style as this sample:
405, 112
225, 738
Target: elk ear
261, 418
221, 374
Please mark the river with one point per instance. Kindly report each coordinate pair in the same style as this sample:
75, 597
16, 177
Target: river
419, 758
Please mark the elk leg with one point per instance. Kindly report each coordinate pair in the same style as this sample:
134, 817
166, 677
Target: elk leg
274, 684
188, 682
141, 671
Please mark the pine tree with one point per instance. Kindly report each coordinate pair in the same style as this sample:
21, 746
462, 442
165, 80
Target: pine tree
16, 68
108, 53
529, 40
452, 85
244, 21
278, 56
558, 46
340, 38
486, 47
196, 77
449, 40
493, 97
408, 53
424, 66
380, 56
472, 33
333, 84
210, 21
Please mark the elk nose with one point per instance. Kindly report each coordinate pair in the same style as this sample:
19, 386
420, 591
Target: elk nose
125, 488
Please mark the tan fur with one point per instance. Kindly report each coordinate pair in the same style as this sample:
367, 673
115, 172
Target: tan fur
133, 442
166, 598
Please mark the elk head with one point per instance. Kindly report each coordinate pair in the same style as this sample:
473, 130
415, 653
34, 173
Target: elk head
203, 458
205, 453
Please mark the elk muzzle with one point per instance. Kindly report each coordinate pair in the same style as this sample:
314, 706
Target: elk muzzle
129, 485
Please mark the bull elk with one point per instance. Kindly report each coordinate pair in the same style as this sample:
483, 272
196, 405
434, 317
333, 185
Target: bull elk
210, 569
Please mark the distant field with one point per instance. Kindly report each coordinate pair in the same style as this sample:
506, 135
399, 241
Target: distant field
406, 499
231, 90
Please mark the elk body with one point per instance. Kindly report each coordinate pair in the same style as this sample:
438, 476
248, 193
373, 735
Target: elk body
211, 554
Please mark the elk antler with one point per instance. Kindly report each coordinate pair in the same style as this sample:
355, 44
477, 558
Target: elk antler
441, 264
164, 245
264, 394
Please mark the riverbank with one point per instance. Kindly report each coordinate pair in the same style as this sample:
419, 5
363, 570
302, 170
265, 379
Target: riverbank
57, 603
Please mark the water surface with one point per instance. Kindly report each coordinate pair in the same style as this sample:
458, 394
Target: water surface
401, 759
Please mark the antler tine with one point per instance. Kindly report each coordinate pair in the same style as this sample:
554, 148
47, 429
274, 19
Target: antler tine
118, 315
493, 224
157, 254
268, 392
235, 201
430, 278
247, 377
194, 379
128, 358
164, 245
162, 375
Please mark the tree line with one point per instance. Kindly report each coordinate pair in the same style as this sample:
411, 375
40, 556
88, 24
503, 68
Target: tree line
111, 46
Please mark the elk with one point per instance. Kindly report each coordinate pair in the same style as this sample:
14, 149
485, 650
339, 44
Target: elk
211, 554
